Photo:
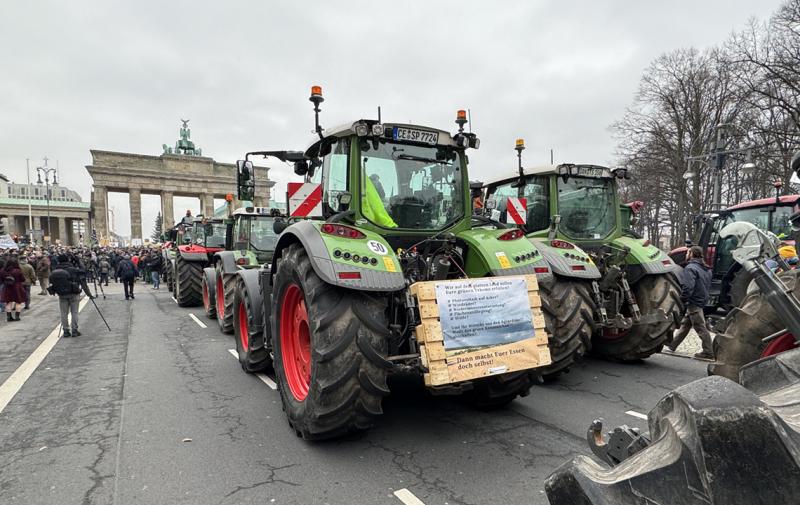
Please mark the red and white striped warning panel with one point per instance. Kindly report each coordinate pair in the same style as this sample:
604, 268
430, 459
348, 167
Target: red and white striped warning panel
516, 210
305, 199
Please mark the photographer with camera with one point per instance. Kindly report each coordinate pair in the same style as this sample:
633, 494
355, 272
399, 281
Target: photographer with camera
67, 281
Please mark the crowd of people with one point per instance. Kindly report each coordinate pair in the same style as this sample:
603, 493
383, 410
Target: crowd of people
24, 269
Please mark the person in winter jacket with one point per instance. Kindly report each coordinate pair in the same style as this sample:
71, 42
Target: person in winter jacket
103, 268
13, 289
126, 271
67, 280
155, 264
695, 284
43, 272
30, 279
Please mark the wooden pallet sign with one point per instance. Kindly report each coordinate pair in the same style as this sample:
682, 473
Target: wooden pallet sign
473, 328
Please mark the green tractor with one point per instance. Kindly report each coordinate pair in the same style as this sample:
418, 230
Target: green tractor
250, 241
636, 297
384, 208
570, 303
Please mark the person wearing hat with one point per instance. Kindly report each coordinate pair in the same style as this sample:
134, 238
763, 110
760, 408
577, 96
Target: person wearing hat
67, 281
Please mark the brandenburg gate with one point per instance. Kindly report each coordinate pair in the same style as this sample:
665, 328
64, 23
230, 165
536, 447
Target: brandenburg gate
179, 171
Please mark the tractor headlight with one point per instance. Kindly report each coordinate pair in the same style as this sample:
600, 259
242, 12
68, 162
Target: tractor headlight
377, 130
361, 130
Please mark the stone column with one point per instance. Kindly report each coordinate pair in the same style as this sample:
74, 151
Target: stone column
207, 204
135, 196
11, 224
167, 210
100, 212
62, 231
259, 201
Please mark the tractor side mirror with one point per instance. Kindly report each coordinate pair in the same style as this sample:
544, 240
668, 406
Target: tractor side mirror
279, 225
301, 167
344, 199
245, 180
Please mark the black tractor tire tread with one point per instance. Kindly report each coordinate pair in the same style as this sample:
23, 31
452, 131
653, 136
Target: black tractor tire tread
746, 326
652, 292
211, 310
347, 383
257, 358
498, 391
228, 287
189, 279
568, 309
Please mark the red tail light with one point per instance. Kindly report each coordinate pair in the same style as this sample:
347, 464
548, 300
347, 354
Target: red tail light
578, 267
341, 230
350, 275
242, 261
541, 270
561, 244
514, 234
666, 262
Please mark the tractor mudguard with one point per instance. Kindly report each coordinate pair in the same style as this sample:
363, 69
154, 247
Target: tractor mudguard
226, 261
579, 265
334, 258
250, 279
188, 255
488, 254
650, 258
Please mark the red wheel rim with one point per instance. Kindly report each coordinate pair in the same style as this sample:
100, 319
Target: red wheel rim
220, 297
244, 334
295, 342
779, 345
206, 304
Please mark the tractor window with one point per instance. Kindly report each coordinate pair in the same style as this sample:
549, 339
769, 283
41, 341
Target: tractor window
586, 206
537, 201
217, 236
411, 187
262, 234
241, 234
334, 173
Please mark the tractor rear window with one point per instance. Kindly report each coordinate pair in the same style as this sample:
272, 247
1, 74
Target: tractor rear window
536, 199
411, 187
586, 206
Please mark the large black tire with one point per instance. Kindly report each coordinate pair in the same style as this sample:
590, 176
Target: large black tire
652, 292
168, 276
209, 291
188, 288
347, 333
253, 353
713, 443
225, 287
499, 391
745, 327
568, 310
738, 289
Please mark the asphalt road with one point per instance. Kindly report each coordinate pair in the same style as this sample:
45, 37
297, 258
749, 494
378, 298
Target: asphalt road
158, 411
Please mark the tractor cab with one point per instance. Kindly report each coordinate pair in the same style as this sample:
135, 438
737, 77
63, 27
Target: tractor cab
253, 230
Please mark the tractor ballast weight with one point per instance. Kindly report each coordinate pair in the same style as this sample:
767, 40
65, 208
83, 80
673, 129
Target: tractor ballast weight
714, 442
384, 207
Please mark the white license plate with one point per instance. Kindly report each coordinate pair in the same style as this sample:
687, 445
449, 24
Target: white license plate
413, 135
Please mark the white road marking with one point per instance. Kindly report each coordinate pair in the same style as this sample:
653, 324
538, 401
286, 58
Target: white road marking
407, 497
199, 322
266, 379
12, 385
174, 300
636, 414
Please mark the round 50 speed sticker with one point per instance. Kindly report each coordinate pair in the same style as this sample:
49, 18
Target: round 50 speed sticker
377, 247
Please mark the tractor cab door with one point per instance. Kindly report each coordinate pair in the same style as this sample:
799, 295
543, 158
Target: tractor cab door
241, 233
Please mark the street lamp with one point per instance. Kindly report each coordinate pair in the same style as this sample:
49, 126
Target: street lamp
47, 171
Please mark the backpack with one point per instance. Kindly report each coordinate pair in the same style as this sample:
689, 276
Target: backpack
126, 269
61, 281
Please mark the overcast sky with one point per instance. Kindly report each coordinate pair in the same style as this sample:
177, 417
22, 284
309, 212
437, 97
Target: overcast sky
119, 75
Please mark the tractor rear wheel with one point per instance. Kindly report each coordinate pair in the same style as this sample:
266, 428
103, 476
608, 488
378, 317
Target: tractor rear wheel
652, 292
746, 326
568, 310
188, 280
330, 346
209, 290
253, 354
225, 287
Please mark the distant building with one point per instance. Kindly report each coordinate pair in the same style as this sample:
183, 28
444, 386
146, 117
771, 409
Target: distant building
68, 212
